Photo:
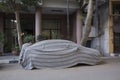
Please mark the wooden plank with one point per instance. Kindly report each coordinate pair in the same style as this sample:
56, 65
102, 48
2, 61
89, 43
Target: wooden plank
111, 45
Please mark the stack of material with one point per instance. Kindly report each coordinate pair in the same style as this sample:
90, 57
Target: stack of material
56, 54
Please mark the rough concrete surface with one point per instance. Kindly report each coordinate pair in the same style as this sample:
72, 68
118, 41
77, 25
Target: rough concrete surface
109, 70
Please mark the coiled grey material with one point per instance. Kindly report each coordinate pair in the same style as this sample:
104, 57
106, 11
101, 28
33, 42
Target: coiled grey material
56, 54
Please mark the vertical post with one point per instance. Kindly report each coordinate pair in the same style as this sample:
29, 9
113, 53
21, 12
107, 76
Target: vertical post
68, 23
38, 19
111, 48
78, 27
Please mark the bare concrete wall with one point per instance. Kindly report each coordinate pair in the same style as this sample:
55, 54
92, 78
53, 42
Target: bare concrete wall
101, 42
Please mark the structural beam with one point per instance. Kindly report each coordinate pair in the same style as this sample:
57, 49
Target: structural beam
38, 19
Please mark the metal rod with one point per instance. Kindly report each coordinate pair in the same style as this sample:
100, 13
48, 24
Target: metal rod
68, 23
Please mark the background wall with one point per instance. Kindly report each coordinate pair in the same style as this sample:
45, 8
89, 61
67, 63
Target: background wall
101, 42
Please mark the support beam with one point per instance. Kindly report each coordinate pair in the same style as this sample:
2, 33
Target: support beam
78, 27
38, 19
111, 48
68, 21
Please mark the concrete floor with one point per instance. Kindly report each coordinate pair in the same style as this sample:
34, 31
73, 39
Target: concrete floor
109, 70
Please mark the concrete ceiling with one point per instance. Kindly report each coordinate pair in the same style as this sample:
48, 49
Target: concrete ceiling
52, 10
59, 6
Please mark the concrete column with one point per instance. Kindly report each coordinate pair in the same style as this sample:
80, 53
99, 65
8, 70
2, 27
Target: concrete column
78, 27
38, 19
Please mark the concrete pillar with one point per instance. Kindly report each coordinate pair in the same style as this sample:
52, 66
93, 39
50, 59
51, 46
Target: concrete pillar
38, 19
78, 27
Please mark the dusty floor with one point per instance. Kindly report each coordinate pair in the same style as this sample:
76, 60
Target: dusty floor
109, 70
